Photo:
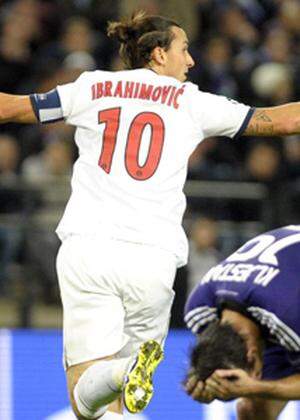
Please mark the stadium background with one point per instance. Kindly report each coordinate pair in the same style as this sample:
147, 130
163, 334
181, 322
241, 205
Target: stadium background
247, 50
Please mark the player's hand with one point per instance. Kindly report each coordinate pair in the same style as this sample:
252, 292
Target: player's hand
230, 383
197, 390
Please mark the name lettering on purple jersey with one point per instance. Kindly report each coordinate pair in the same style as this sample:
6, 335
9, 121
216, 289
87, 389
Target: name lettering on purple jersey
260, 274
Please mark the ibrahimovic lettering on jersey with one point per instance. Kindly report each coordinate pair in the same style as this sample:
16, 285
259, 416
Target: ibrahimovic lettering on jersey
261, 279
165, 95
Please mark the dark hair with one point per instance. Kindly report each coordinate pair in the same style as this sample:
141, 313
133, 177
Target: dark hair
219, 347
139, 35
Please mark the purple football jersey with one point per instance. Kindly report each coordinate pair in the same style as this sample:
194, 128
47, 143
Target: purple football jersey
262, 280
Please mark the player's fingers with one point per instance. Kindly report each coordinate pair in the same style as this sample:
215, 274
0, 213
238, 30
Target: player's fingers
215, 382
218, 393
227, 373
211, 382
197, 392
190, 384
218, 387
208, 396
212, 387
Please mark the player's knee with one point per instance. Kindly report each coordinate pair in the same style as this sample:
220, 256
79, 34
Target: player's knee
246, 409
256, 409
72, 379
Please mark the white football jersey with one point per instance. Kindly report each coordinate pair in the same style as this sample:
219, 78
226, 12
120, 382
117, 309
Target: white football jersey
135, 131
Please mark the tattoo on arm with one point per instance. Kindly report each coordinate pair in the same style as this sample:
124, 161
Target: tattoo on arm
261, 124
262, 116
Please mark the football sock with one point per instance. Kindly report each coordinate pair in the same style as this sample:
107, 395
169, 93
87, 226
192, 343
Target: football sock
99, 385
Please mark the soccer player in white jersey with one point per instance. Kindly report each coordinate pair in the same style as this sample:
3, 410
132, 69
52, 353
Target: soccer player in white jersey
121, 233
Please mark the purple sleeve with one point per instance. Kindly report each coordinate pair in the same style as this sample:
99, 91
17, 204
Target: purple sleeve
200, 308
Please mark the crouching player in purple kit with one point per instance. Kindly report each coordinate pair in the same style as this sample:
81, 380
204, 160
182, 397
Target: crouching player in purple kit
246, 314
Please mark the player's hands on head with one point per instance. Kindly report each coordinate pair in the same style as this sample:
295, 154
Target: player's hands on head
223, 385
228, 384
197, 390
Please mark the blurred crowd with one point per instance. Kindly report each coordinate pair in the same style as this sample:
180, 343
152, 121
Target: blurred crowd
247, 50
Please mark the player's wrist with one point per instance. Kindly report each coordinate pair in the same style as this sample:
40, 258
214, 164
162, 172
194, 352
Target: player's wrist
259, 388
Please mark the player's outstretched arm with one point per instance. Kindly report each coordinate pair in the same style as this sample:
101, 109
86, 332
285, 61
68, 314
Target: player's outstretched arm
16, 108
275, 121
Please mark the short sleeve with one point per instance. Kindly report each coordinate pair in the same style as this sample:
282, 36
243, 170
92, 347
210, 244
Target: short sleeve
69, 94
216, 115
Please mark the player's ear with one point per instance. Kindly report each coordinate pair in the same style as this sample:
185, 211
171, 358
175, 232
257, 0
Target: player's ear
255, 362
158, 55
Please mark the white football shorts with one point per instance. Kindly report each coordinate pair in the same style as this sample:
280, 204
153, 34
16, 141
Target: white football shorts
115, 296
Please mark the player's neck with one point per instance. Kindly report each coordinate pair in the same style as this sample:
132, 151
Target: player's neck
152, 69
157, 68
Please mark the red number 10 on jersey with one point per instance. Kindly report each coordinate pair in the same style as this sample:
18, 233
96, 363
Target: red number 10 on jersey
111, 119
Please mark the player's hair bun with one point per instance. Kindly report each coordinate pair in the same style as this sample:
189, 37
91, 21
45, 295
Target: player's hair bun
121, 31
126, 30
